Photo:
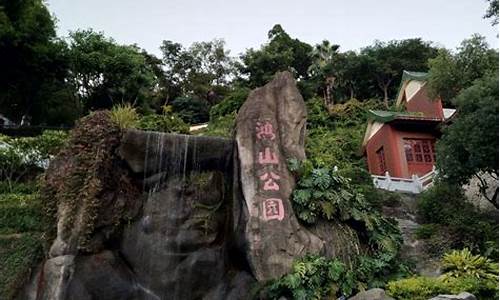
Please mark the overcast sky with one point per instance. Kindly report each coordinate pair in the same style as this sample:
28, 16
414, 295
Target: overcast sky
244, 24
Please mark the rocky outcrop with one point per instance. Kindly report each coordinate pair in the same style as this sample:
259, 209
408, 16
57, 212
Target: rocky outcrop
461, 296
372, 294
270, 128
183, 217
404, 211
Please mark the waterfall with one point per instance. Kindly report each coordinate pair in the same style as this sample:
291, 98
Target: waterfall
182, 216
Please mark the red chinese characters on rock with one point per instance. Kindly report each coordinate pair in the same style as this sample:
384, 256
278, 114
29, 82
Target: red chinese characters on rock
268, 157
272, 208
269, 181
265, 130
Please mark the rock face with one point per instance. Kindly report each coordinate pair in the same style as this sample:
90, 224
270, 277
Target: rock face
372, 294
270, 128
208, 217
414, 249
461, 296
179, 244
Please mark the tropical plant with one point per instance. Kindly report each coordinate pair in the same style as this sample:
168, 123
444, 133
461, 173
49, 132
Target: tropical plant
322, 193
124, 115
166, 122
313, 277
462, 263
463, 272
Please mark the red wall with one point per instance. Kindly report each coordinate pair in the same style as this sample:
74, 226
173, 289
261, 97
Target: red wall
421, 103
393, 142
415, 168
386, 137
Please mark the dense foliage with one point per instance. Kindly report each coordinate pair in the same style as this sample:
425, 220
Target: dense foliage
324, 194
462, 272
454, 223
469, 146
25, 156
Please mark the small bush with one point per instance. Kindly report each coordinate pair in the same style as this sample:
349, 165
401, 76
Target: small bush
441, 203
465, 264
313, 277
18, 254
220, 126
230, 104
20, 213
460, 224
426, 231
124, 115
463, 272
191, 110
164, 123
416, 288
27, 156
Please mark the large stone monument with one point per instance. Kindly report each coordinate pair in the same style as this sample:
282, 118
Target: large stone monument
270, 128
210, 217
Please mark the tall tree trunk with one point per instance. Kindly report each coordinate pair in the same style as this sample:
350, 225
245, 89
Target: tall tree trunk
351, 91
386, 97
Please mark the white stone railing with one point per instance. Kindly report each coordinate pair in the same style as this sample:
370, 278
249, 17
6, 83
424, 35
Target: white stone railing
413, 185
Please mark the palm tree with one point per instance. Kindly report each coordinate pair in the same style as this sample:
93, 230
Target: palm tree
323, 56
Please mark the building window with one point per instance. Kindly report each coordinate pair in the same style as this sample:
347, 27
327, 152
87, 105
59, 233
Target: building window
381, 160
419, 151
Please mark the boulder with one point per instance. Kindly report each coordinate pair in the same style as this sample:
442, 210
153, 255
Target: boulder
371, 294
461, 296
270, 129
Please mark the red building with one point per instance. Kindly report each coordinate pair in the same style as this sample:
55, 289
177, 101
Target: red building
402, 143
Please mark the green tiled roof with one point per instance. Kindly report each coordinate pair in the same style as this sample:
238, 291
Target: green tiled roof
411, 75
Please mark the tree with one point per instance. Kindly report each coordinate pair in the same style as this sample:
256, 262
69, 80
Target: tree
280, 53
33, 64
354, 75
469, 146
105, 73
203, 70
450, 73
323, 69
388, 60
492, 12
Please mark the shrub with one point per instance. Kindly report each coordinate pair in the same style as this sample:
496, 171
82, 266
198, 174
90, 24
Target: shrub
170, 123
20, 157
463, 272
441, 203
220, 126
323, 193
124, 115
313, 277
460, 224
416, 288
230, 104
19, 213
18, 254
191, 110
464, 264
426, 231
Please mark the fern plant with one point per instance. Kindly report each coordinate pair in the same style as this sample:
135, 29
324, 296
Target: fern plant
314, 277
